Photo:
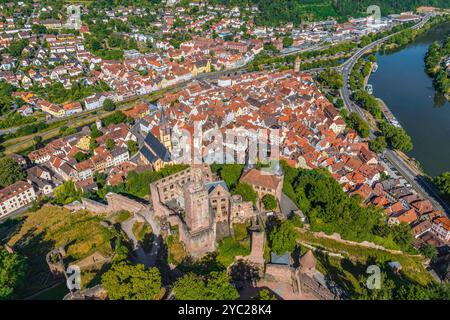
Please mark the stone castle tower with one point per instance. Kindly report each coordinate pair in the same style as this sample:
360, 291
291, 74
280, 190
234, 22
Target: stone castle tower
198, 215
297, 63
165, 131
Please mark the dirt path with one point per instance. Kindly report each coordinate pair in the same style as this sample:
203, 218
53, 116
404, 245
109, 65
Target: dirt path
365, 244
147, 259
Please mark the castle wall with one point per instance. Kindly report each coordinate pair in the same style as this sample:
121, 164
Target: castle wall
170, 188
222, 230
240, 211
117, 202
94, 206
200, 243
279, 273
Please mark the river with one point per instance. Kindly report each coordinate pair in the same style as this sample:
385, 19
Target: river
401, 82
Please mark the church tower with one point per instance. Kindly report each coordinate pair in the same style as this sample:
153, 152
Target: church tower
164, 131
297, 63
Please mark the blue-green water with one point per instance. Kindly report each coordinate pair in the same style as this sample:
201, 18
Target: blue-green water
401, 82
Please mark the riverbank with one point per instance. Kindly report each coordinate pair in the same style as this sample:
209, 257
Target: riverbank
436, 66
387, 113
407, 92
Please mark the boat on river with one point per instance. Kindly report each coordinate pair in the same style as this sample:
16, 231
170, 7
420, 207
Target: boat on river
375, 67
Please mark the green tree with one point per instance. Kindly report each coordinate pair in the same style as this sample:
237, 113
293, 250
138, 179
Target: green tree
215, 286
110, 144
413, 292
331, 78
429, 251
287, 42
385, 292
10, 172
15, 48
230, 173
132, 282
402, 236
283, 238
220, 288
109, 105
132, 146
13, 268
265, 294
93, 144
270, 203
443, 183
190, 287
95, 132
6, 90
246, 191
357, 123
396, 137
37, 142
115, 118
100, 179
38, 29
80, 156
138, 184
378, 144
66, 193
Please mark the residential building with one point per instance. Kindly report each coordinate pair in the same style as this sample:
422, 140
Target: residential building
15, 196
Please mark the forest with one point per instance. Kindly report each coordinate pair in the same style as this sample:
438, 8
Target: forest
435, 62
278, 12
330, 209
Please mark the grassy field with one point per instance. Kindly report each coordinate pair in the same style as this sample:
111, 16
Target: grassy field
241, 231
50, 227
176, 250
140, 229
120, 217
348, 270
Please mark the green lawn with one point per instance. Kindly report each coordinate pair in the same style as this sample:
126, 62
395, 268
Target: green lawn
346, 271
140, 229
50, 227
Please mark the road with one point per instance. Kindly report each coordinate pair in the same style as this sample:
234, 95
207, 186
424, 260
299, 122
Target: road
148, 259
417, 179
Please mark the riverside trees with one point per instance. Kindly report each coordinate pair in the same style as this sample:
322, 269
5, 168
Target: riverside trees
434, 61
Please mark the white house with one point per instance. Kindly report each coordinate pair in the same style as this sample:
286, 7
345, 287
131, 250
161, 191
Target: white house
15, 196
441, 228
94, 102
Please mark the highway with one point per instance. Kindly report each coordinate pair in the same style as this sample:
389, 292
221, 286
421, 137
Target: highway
417, 179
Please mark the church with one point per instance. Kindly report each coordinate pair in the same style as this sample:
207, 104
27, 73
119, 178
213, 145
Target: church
156, 152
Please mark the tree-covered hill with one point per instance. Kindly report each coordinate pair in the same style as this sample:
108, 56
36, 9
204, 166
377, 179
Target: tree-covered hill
276, 12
